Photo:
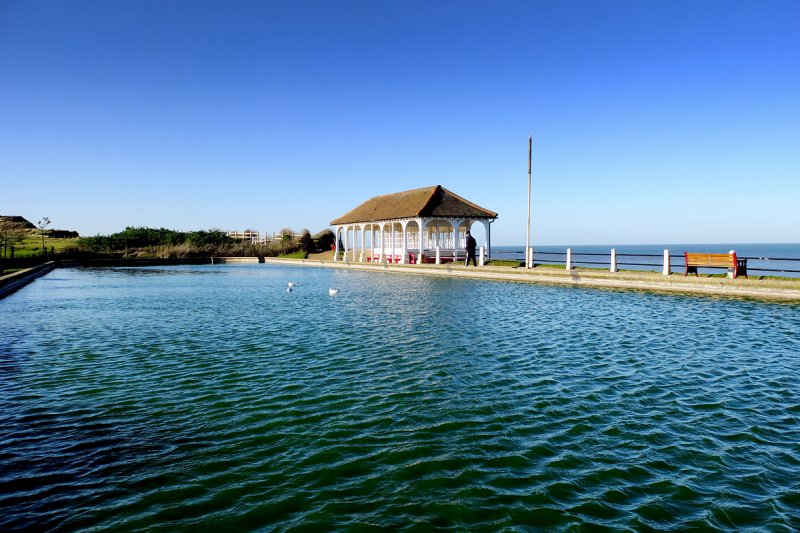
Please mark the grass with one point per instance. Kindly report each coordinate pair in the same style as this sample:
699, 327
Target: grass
504, 263
31, 245
295, 255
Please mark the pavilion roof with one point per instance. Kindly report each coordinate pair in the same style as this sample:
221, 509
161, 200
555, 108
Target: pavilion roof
435, 201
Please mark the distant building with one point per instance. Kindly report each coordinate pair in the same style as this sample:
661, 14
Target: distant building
249, 235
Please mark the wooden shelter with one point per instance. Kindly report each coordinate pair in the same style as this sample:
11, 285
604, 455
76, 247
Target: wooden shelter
420, 225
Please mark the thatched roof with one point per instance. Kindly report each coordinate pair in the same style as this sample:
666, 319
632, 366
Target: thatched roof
433, 201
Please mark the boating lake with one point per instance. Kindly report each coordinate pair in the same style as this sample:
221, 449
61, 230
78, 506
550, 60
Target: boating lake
178, 398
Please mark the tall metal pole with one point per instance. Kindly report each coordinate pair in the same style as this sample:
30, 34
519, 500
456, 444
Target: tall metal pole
528, 235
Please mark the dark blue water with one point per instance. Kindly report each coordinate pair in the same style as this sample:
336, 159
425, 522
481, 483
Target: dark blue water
207, 397
763, 259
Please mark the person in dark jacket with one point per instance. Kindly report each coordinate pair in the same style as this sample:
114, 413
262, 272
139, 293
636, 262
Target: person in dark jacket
470, 244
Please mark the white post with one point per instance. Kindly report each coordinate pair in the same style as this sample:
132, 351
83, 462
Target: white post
438, 256
730, 270
529, 258
613, 260
666, 270
481, 261
569, 258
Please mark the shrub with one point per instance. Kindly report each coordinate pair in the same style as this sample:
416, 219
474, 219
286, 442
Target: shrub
306, 242
325, 239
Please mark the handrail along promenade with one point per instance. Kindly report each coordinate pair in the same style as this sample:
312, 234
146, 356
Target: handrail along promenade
675, 261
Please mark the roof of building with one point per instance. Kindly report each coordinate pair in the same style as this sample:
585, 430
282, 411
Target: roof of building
435, 201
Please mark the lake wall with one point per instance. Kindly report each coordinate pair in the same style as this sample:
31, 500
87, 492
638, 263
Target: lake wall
17, 280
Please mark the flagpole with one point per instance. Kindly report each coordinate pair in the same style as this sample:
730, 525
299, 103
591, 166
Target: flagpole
528, 235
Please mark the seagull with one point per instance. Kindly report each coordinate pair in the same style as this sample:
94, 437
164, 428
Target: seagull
291, 284
331, 292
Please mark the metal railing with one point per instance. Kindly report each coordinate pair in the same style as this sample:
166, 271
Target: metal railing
636, 260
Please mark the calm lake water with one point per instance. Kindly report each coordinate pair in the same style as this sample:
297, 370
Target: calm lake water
207, 397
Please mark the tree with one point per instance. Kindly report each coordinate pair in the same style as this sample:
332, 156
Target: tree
42, 225
11, 232
286, 236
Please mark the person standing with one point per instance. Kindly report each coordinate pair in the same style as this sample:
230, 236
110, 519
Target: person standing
470, 244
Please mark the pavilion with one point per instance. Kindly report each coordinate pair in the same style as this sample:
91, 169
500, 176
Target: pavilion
410, 226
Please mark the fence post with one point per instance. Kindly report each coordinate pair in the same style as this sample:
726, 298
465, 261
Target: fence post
438, 256
613, 260
569, 258
666, 270
481, 261
730, 270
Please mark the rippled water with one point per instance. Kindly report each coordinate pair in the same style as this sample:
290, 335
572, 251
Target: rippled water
209, 397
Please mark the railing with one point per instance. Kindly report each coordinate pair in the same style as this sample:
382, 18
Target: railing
617, 260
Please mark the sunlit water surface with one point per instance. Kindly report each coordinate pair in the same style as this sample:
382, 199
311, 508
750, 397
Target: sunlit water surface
209, 397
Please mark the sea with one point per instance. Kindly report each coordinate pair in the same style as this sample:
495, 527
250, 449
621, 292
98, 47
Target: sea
211, 398
781, 260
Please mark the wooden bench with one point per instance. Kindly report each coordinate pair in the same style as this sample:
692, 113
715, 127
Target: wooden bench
727, 261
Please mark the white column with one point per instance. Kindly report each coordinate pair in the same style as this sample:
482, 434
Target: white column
422, 227
391, 252
481, 260
336, 243
404, 228
382, 256
438, 255
569, 258
613, 267
487, 224
456, 240
372, 244
361, 257
354, 244
666, 270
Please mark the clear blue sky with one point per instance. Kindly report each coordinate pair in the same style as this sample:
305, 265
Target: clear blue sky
653, 122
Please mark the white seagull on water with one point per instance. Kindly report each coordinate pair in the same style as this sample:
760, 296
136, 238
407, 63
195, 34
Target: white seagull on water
291, 284
331, 292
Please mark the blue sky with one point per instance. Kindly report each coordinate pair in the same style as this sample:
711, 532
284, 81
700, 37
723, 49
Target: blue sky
653, 122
